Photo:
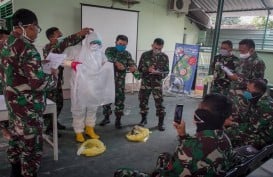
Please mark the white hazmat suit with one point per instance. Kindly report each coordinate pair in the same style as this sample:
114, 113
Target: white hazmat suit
92, 84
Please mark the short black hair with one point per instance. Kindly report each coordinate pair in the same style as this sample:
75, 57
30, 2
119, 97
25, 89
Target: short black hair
50, 32
24, 17
159, 41
248, 42
219, 105
122, 37
229, 43
259, 85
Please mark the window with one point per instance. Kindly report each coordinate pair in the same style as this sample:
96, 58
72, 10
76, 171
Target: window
6, 11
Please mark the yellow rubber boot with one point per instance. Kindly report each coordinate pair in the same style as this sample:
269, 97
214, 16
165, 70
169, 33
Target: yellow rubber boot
90, 132
79, 137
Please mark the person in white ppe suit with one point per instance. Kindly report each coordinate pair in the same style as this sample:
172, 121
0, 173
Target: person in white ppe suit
92, 85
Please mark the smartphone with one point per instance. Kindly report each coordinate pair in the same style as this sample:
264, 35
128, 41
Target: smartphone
178, 113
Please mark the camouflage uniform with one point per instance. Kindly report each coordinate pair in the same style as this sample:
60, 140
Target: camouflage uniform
249, 69
24, 84
254, 123
56, 95
3, 124
208, 154
152, 83
221, 83
125, 58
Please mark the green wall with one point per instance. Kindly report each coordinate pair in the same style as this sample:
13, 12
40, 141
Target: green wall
154, 19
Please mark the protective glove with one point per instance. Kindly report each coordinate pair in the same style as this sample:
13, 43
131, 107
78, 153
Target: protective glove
74, 65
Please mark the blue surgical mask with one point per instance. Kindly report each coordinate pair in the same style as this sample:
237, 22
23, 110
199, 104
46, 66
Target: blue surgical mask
247, 95
120, 48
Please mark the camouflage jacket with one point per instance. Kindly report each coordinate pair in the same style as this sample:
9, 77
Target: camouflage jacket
255, 126
207, 154
24, 81
125, 58
248, 69
60, 47
161, 63
240, 105
221, 81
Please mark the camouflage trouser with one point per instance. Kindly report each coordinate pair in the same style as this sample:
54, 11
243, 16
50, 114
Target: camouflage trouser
119, 99
144, 94
162, 169
56, 95
218, 88
26, 149
124, 172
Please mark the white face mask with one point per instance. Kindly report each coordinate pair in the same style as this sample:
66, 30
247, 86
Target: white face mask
60, 39
224, 52
156, 51
95, 47
244, 56
25, 34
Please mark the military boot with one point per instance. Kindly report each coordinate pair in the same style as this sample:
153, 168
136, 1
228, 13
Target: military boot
16, 170
105, 121
143, 120
161, 123
117, 122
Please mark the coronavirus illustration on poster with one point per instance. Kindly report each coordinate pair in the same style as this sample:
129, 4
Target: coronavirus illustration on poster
184, 66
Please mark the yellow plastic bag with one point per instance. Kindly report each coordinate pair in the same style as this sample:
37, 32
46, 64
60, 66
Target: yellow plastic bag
91, 147
138, 134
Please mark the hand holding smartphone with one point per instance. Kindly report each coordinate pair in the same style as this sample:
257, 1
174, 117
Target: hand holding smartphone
178, 113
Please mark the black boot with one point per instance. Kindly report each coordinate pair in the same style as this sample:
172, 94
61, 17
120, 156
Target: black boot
143, 120
161, 123
105, 120
118, 123
16, 170
60, 126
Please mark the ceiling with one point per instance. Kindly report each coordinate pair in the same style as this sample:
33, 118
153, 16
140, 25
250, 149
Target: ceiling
201, 10
237, 7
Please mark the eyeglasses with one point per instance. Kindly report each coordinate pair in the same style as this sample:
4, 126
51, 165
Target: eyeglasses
39, 29
198, 119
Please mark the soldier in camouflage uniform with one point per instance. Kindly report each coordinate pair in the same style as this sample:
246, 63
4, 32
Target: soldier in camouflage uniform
24, 84
207, 154
153, 68
3, 39
221, 83
253, 117
58, 45
250, 66
122, 60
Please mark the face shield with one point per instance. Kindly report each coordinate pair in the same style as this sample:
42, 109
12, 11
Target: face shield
93, 41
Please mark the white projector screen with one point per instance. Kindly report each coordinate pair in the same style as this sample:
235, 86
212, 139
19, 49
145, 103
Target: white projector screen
110, 22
